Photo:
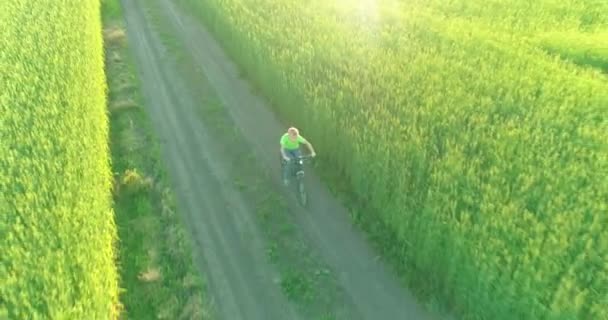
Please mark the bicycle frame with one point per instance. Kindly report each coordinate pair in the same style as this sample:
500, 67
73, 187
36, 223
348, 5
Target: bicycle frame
298, 166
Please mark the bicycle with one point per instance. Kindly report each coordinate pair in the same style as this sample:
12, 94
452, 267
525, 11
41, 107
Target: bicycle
298, 173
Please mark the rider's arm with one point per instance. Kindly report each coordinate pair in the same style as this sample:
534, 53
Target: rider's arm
308, 145
283, 153
282, 143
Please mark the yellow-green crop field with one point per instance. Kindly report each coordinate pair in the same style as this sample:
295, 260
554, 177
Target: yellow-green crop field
479, 147
57, 228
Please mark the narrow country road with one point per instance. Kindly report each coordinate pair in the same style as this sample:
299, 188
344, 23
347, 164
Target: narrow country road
231, 248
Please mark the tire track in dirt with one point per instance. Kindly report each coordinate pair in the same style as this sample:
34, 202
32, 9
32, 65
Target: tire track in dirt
375, 290
242, 281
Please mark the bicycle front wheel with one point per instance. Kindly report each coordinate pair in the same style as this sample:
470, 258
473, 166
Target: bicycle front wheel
303, 197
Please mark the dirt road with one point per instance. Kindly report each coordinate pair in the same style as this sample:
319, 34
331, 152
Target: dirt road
231, 247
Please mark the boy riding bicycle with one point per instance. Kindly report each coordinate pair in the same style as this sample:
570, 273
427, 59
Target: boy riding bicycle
290, 149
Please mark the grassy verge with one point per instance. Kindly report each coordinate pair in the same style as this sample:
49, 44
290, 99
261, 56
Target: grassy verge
158, 276
305, 278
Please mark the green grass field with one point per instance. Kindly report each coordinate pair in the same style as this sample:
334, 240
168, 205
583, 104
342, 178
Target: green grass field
469, 137
57, 233
68, 250
464, 131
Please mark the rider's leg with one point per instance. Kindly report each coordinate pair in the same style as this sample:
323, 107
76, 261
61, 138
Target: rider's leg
294, 154
287, 166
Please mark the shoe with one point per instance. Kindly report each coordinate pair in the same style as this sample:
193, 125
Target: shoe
286, 182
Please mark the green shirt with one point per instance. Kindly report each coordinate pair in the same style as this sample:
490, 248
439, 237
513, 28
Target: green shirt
291, 145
